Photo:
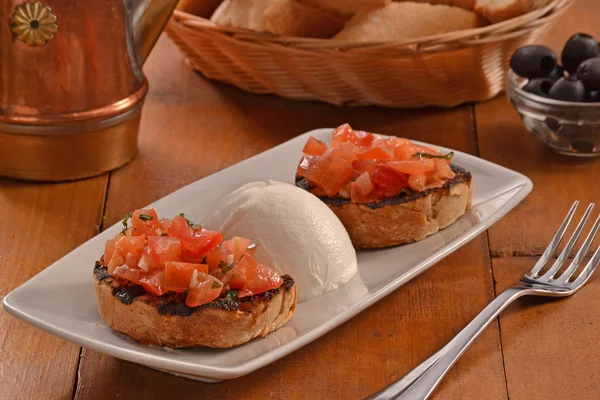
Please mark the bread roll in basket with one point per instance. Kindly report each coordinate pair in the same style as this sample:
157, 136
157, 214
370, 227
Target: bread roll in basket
438, 70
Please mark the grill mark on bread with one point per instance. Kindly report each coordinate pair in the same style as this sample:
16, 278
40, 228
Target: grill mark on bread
174, 303
461, 176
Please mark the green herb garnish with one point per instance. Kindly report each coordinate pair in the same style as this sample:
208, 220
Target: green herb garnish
227, 267
124, 222
216, 285
190, 223
146, 217
232, 294
427, 155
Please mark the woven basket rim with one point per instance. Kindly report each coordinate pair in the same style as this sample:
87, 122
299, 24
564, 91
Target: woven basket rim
469, 37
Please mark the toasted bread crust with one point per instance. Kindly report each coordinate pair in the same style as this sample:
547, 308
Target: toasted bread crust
167, 321
406, 218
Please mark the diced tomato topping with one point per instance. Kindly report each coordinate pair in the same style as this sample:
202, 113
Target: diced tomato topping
389, 181
411, 167
417, 182
126, 272
378, 153
364, 139
314, 147
361, 188
198, 243
361, 166
154, 283
443, 169
390, 163
238, 246
130, 244
177, 275
178, 228
195, 242
214, 257
115, 261
164, 248
164, 224
252, 278
109, 249
337, 173
342, 134
144, 222
203, 289
394, 142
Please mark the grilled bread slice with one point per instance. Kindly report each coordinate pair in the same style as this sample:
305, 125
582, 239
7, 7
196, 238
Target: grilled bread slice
408, 217
167, 321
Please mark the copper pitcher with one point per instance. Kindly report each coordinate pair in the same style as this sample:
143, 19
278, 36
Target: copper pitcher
71, 84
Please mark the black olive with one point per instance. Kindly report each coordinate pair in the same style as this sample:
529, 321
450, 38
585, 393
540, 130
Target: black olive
578, 48
589, 73
567, 89
533, 61
593, 96
557, 73
539, 86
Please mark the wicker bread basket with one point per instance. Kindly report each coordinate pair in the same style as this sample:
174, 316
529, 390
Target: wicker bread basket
443, 70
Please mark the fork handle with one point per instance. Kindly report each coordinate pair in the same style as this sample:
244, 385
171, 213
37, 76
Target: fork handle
420, 382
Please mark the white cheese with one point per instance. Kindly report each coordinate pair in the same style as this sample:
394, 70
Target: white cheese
296, 232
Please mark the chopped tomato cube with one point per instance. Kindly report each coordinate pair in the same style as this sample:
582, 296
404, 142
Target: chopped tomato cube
342, 134
389, 181
109, 250
417, 182
443, 169
197, 244
238, 246
154, 283
364, 138
412, 167
337, 173
314, 147
203, 289
378, 153
252, 278
130, 244
178, 275
178, 227
126, 272
361, 188
309, 169
144, 222
361, 166
395, 142
214, 258
347, 151
115, 261
164, 248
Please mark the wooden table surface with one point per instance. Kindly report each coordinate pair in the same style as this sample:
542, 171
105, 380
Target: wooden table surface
192, 128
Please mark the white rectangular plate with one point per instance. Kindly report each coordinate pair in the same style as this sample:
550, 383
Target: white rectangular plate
61, 300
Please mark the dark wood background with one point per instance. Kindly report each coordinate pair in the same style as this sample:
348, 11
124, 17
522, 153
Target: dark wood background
192, 128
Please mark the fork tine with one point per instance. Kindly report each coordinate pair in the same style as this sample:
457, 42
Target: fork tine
580, 254
567, 250
587, 271
554, 243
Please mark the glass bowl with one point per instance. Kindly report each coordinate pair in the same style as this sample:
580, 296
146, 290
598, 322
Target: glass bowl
569, 128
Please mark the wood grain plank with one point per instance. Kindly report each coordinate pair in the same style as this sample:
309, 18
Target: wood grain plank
192, 128
558, 180
550, 346
40, 224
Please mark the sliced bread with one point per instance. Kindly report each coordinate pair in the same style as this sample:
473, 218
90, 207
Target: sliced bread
407, 20
502, 10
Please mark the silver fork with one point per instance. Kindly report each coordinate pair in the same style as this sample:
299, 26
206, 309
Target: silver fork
419, 383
